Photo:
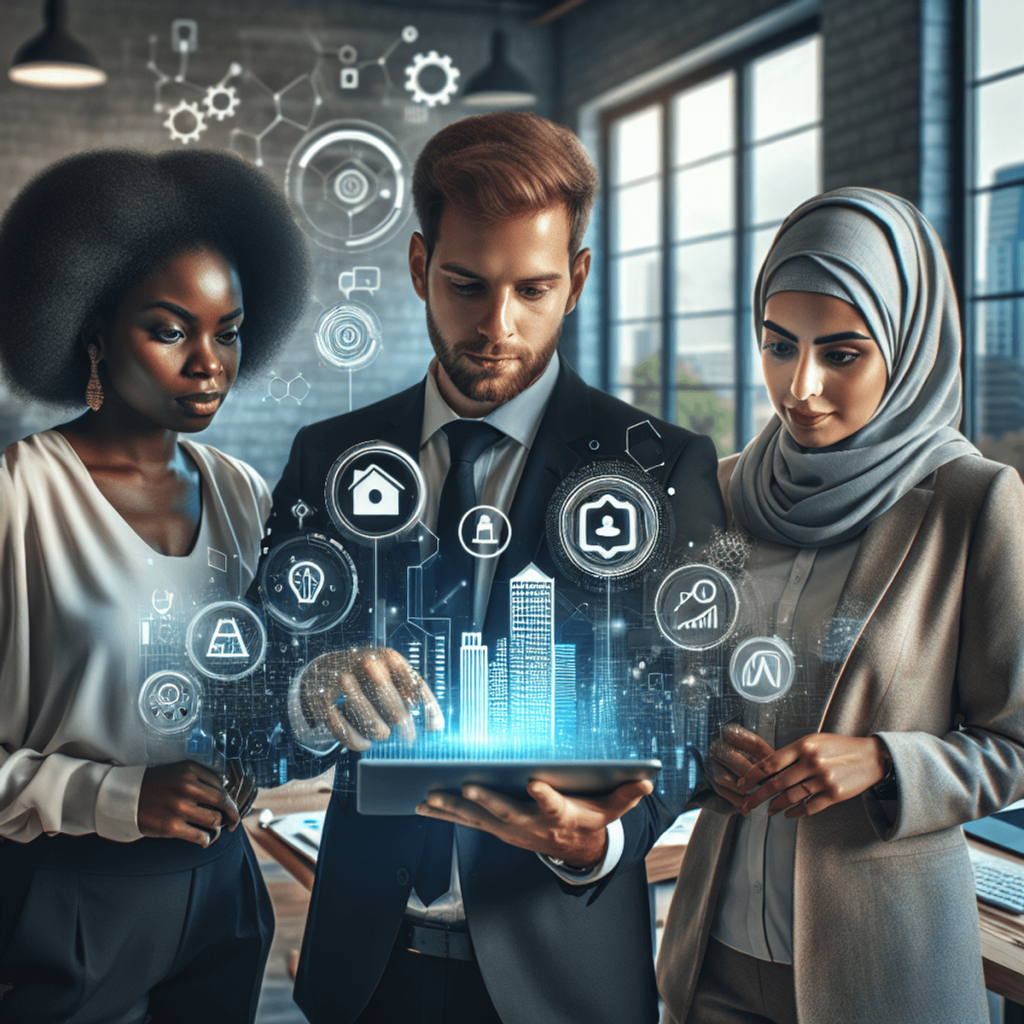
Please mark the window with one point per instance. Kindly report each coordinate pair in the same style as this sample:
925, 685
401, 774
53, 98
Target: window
994, 314
699, 176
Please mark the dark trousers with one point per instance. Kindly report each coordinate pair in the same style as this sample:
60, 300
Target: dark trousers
421, 989
734, 988
179, 947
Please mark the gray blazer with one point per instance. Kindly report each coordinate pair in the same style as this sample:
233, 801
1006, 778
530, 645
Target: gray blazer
885, 925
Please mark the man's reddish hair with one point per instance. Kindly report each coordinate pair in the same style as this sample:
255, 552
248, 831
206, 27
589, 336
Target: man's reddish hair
494, 167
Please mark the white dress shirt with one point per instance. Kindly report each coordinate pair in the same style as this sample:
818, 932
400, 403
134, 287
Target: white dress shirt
75, 583
496, 476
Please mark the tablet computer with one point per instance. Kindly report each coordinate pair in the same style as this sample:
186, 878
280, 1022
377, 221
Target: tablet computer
397, 785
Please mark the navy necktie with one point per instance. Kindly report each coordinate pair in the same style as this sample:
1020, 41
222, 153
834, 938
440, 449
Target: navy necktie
454, 573
456, 568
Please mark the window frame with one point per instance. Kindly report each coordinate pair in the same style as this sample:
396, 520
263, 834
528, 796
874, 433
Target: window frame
739, 63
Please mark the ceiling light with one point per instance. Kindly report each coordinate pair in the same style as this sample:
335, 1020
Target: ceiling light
499, 84
52, 59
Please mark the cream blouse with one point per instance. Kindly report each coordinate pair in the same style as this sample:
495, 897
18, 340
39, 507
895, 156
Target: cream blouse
75, 585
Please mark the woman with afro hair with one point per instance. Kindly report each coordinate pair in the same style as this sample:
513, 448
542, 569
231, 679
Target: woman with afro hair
127, 890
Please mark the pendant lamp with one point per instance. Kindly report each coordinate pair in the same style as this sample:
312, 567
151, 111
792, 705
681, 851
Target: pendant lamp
499, 84
52, 59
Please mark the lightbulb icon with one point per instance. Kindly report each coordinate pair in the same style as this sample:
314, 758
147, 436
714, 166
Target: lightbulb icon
306, 580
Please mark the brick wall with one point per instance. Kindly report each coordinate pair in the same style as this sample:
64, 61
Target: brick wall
273, 41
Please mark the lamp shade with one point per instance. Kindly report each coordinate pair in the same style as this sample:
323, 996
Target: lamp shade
499, 84
53, 60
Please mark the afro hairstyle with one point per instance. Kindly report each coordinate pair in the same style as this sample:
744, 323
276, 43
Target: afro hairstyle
88, 229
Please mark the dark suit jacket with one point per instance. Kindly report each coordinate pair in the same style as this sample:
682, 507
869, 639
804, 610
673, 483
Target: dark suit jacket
548, 951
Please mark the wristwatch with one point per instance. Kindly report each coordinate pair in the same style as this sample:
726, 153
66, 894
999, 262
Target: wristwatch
887, 788
562, 866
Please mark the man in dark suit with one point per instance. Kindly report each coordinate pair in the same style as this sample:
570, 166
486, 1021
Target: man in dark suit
541, 914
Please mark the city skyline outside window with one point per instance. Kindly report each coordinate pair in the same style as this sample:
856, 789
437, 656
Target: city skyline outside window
700, 175
994, 314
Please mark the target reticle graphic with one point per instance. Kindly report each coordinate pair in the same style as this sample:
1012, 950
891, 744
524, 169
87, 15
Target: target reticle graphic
170, 702
309, 583
696, 607
609, 522
348, 335
349, 183
226, 640
375, 491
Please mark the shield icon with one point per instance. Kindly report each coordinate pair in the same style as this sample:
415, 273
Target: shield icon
607, 527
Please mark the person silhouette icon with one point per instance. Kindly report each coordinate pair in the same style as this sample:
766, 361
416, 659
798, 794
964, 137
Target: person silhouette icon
607, 528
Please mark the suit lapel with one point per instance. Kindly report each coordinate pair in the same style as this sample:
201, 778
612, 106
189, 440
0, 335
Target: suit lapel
883, 550
404, 425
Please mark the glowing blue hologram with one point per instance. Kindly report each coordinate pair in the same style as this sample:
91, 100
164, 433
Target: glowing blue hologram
365, 279
531, 655
349, 78
301, 510
485, 531
375, 491
188, 116
187, 120
348, 181
598, 532
473, 688
184, 35
643, 446
762, 669
696, 607
445, 89
309, 583
348, 335
216, 560
306, 580
162, 601
277, 96
608, 521
170, 702
226, 640
297, 388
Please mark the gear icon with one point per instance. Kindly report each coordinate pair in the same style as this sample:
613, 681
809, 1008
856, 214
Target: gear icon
193, 111
221, 101
431, 60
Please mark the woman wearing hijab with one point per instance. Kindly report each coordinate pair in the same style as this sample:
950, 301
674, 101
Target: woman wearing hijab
142, 286
827, 878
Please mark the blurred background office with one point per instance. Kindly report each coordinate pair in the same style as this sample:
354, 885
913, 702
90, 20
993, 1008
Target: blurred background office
708, 121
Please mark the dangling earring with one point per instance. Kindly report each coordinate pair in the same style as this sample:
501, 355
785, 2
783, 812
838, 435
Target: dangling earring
94, 390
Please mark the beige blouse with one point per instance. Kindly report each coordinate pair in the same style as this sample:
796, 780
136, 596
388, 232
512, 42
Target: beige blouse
75, 585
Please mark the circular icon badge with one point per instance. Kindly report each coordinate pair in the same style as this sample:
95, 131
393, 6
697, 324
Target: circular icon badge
607, 522
696, 607
375, 491
309, 583
349, 335
169, 702
485, 531
226, 640
348, 181
762, 669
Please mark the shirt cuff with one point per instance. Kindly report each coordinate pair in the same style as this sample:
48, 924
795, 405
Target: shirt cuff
607, 864
117, 804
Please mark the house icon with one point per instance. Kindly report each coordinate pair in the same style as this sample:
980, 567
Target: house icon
374, 492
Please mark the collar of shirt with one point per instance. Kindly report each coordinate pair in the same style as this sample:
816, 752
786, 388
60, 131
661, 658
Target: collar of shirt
519, 418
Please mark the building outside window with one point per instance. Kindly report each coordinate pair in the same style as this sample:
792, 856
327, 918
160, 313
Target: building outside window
994, 314
699, 176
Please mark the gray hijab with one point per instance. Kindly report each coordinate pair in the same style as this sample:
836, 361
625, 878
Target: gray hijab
876, 251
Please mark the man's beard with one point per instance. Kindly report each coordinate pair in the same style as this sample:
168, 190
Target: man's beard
490, 384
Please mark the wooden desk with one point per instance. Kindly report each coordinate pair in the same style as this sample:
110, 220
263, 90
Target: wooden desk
1002, 933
